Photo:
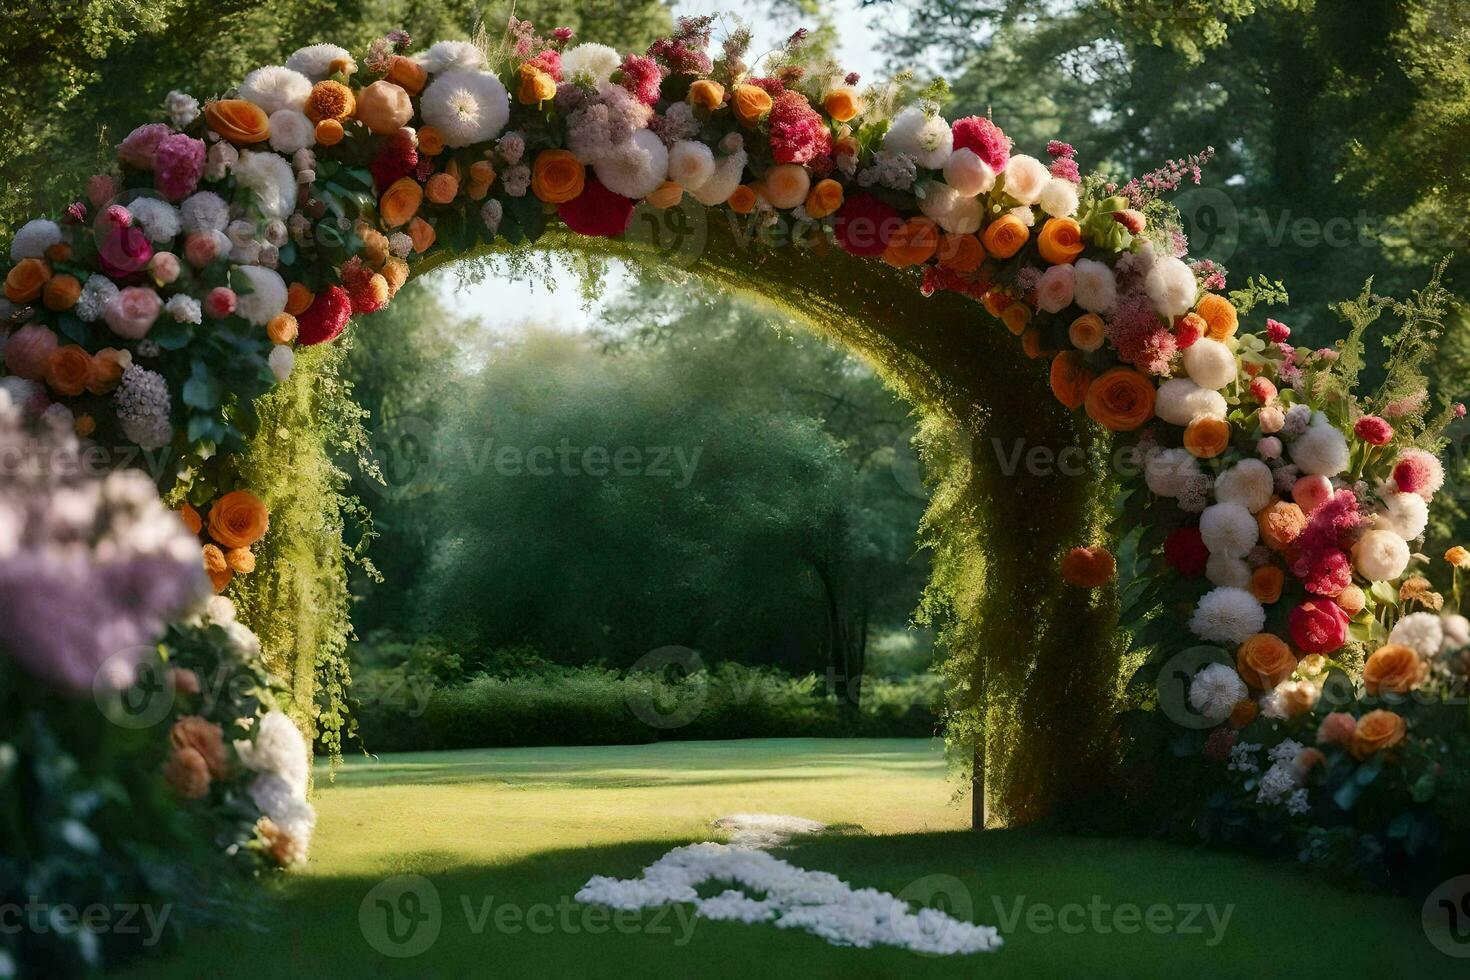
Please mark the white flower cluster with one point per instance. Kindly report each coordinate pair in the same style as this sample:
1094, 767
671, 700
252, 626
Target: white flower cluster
141, 403
790, 898
279, 756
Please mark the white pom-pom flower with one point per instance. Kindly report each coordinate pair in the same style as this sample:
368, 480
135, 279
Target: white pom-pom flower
963, 217
270, 179
1216, 690
1171, 286
1224, 570
1209, 364
204, 211
1322, 449
1405, 514
1169, 472
1227, 615
466, 106
316, 61
446, 56
1421, 632
274, 88
1180, 401
1380, 556
291, 131
924, 136
967, 173
1025, 178
278, 749
590, 62
1059, 198
636, 168
282, 360
729, 171
266, 297
1228, 529
158, 218
691, 164
1248, 483
1097, 289
33, 239
1456, 629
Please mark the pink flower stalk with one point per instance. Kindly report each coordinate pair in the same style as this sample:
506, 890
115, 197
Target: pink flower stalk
1322, 563
798, 134
641, 76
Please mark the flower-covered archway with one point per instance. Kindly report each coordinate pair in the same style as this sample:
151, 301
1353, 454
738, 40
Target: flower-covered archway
1028, 312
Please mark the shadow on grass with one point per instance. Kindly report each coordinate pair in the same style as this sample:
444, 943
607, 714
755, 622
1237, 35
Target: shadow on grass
1067, 907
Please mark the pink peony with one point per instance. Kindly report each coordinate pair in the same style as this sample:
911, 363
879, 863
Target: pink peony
220, 302
1318, 626
29, 350
101, 188
138, 148
1337, 729
1055, 288
178, 163
164, 267
201, 248
132, 311
1373, 430
1311, 492
1277, 332
798, 134
984, 138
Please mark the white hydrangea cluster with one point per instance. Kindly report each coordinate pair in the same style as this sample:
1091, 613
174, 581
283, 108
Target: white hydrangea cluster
96, 293
141, 403
34, 238
279, 756
923, 135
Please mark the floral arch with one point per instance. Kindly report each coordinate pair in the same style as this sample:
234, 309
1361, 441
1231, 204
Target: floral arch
1034, 316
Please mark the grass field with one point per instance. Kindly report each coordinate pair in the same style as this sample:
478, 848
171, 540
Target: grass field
506, 837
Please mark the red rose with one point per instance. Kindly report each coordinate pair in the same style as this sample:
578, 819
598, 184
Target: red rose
326, 317
1318, 626
1185, 552
597, 211
864, 225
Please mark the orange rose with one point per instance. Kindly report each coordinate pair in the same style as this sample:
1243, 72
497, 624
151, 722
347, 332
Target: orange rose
298, 299
1015, 317
1086, 332
384, 108
400, 202
824, 199
1376, 731
1031, 343
482, 175
536, 86
751, 104
1088, 568
1266, 583
238, 519
1219, 316
842, 103
706, 94
1005, 236
282, 329
190, 517
1243, 713
240, 560
330, 100
106, 372
1207, 436
742, 201
1394, 669
557, 176
1281, 522
204, 737
1264, 661
407, 74
329, 132
431, 141
423, 235
61, 292
60, 252
242, 123
1121, 399
26, 282
68, 369
960, 253
1070, 378
395, 273
442, 188
995, 301
666, 195
1060, 241
913, 243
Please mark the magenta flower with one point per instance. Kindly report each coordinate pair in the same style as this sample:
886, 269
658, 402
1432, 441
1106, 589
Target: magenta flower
798, 134
1277, 332
642, 77
983, 138
138, 148
178, 163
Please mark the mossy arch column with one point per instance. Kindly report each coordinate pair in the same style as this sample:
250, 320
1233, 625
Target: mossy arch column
1033, 662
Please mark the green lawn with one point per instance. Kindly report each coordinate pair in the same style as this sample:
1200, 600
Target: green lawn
525, 828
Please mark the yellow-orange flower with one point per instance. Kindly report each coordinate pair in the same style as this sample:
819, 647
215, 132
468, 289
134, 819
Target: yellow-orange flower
1070, 378
1060, 241
238, 519
61, 292
960, 253
1267, 583
1121, 399
557, 176
1219, 316
1016, 317
422, 233
1207, 436
1243, 713
536, 86
1458, 556
298, 299
330, 100
400, 202
1086, 332
1281, 522
431, 141
482, 175
1377, 731
242, 123
84, 425
1088, 568
240, 560
282, 329
1264, 661
742, 199
441, 188
706, 94
913, 243
666, 195
824, 199
1394, 669
395, 273
751, 103
1005, 236
106, 372
68, 369
190, 518
384, 108
26, 281
842, 103
407, 74
329, 132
